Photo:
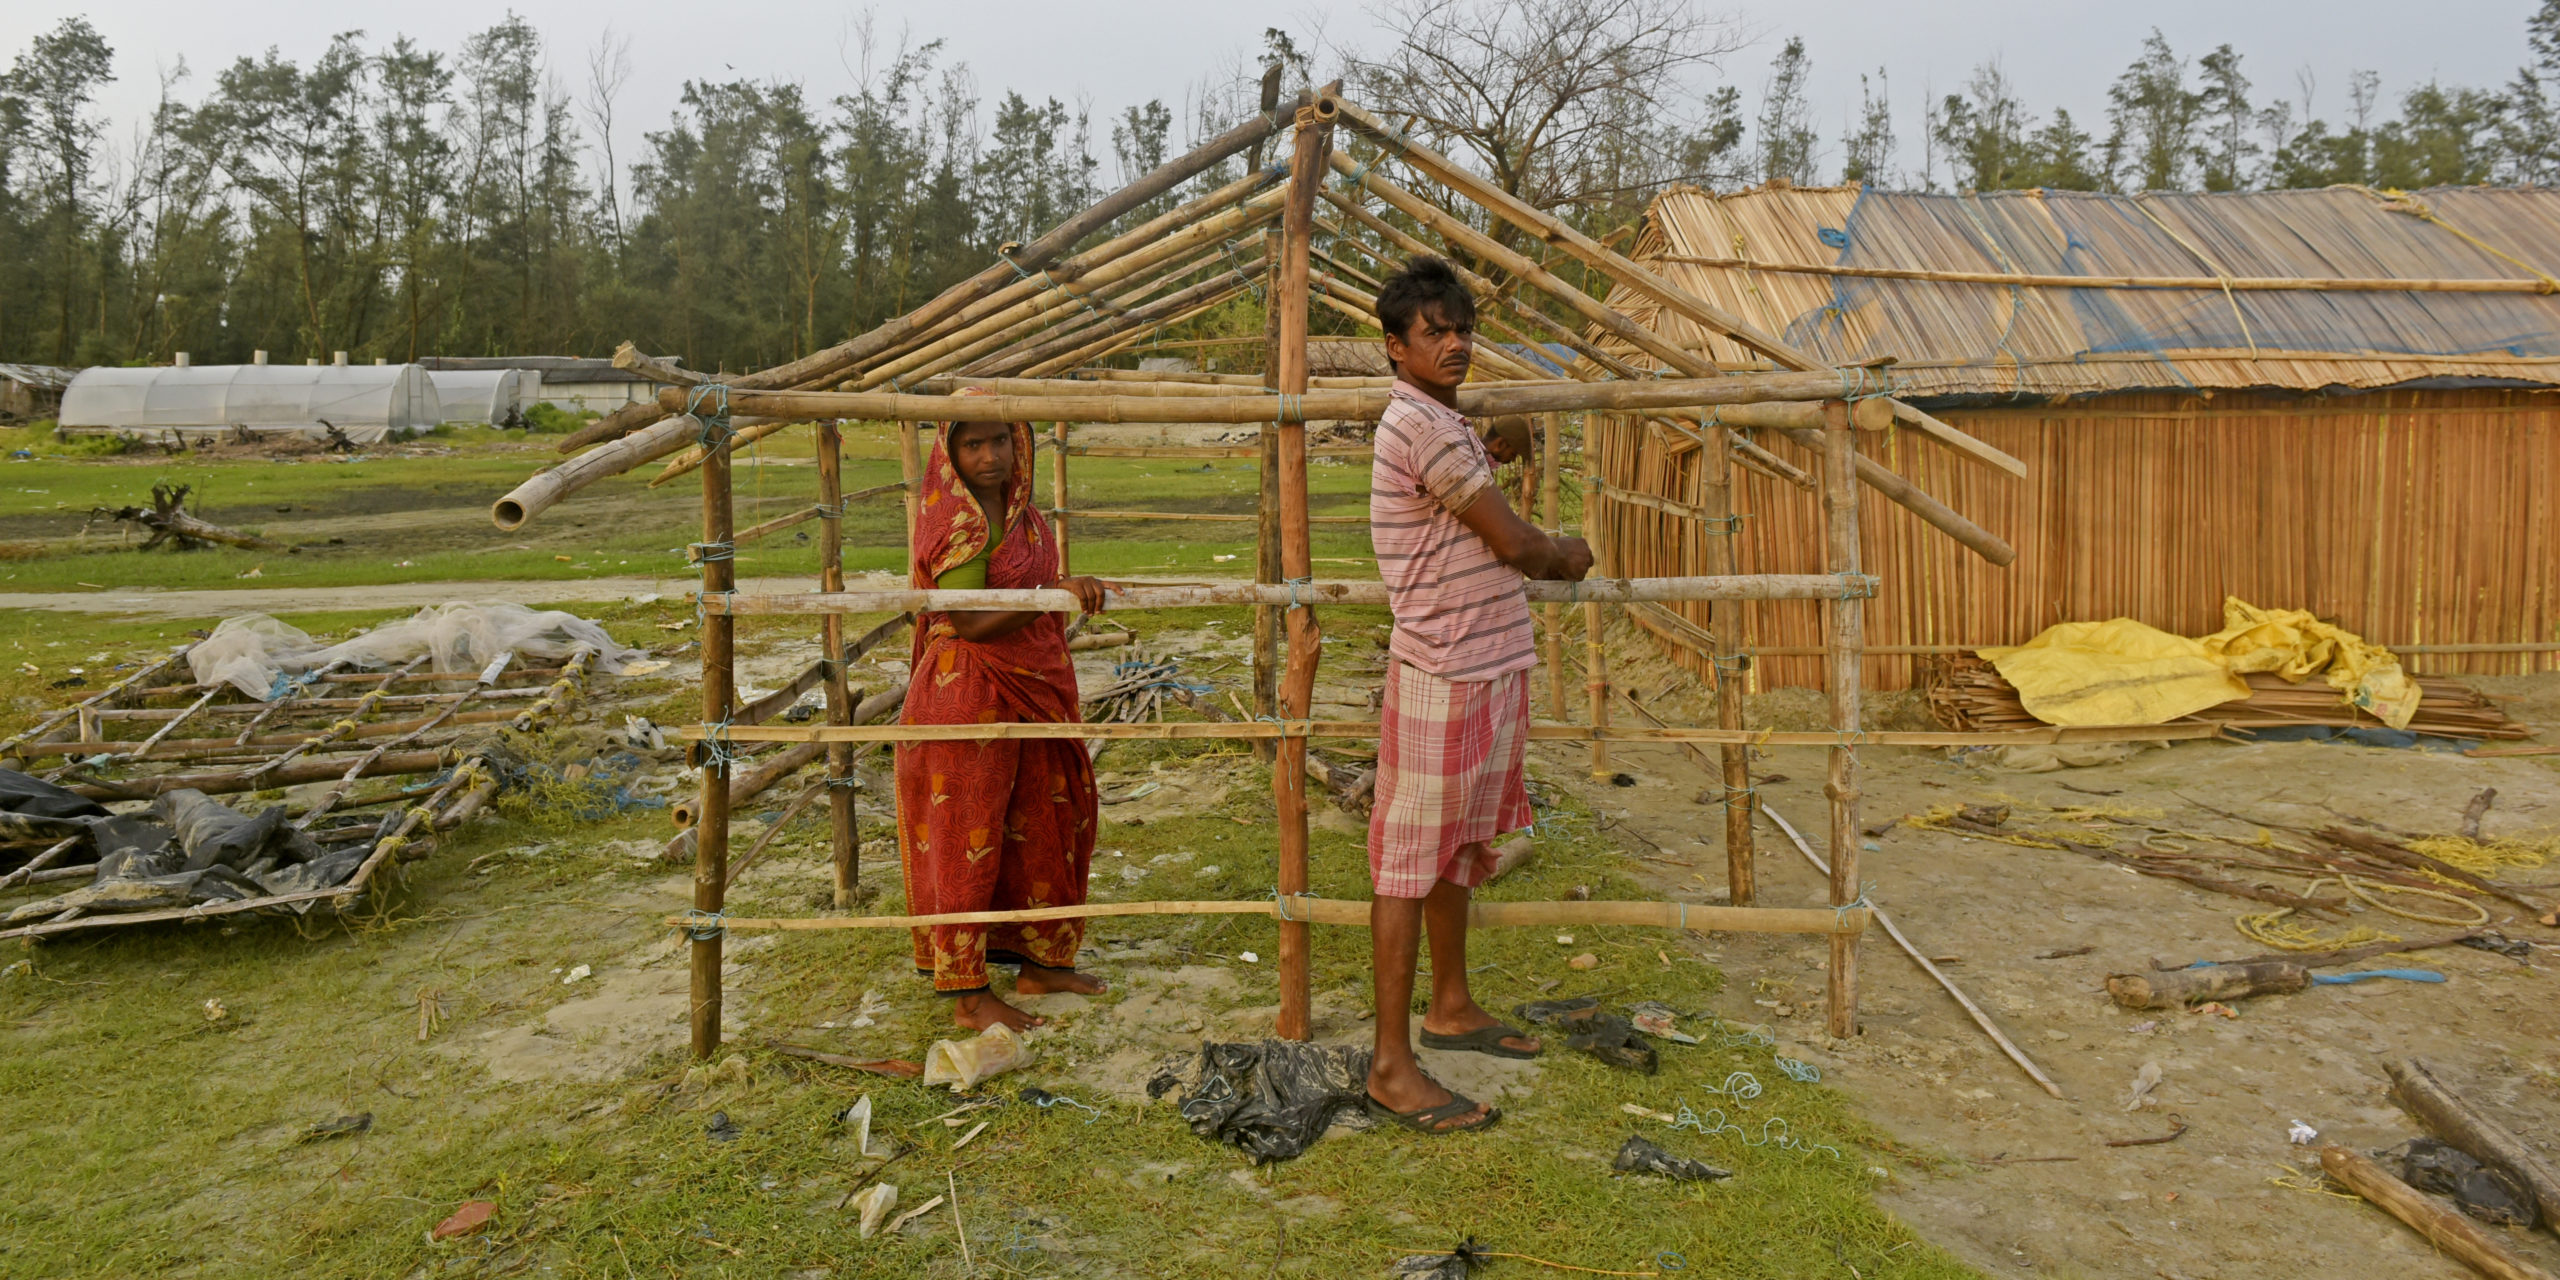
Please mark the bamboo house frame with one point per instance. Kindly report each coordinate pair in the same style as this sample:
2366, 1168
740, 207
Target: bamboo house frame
2341, 400
1045, 309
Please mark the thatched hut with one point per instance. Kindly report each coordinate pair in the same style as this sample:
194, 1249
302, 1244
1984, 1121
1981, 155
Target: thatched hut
2339, 400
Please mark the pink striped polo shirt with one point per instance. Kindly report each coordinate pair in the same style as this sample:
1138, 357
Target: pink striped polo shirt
1459, 611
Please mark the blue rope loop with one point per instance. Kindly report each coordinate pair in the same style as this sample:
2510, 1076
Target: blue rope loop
1227, 249
1859, 586
834, 783
1800, 1072
1853, 383
715, 424
1280, 905
715, 746
1748, 794
1840, 914
1723, 526
704, 926
1851, 739
1293, 584
1288, 411
713, 552
835, 512
1735, 663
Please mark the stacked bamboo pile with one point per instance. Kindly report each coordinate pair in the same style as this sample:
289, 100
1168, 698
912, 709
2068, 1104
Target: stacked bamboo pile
337, 727
1966, 693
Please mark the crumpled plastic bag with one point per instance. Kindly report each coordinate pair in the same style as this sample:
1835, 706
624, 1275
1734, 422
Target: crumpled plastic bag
2488, 1192
1270, 1100
253, 652
963, 1063
1640, 1156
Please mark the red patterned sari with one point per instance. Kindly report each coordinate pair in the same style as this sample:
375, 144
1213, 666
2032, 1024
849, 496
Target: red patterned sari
993, 825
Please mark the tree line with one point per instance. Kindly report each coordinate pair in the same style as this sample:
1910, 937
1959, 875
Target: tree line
391, 200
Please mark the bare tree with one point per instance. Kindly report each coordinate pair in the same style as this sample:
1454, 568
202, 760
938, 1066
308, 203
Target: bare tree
608, 68
1549, 98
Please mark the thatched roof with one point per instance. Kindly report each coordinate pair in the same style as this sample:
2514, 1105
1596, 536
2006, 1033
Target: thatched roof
2051, 339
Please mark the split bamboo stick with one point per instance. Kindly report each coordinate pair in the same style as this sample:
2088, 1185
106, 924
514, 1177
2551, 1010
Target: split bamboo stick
1306, 909
1803, 586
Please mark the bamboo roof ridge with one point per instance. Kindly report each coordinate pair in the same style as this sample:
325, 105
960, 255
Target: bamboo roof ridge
2049, 293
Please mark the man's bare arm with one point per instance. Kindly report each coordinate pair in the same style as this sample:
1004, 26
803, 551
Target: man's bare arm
1520, 544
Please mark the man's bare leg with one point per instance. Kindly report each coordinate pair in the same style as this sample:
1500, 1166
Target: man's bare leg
1395, 1075
1454, 1011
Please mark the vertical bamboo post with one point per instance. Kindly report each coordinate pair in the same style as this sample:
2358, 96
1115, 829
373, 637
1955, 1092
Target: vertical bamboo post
1058, 493
1845, 639
1298, 684
1724, 619
1266, 530
719, 699
843, 835
1550, 492
1595, 655
910, 468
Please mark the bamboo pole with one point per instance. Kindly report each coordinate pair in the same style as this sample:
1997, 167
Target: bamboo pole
103, 697
1551, 491
1724, 622
540, 492
1558, 233
1308, 909
1305, 637
719, 703
843, 821
1367, 730
2443, 1228
232, 781
910, 474
1105, 347
1200, 517
1347, 403
1770, 586
2204, 284
1123, 318
1845, 621
1595, 653
1266, 538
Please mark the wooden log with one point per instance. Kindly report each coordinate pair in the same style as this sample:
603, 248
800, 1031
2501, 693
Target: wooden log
1555, 231
1347, 405
2178, 988
2444, 1114
545, 489
910, 475
1766, 586
1551, 487
1306, 909
168, 518
1058, 512
1844, 624
1595, 654
1305, 645
719, 703
1509, 856
843, 821
2444, 1228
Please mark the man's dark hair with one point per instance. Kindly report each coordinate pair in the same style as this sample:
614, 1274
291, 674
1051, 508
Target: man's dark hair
1424, 281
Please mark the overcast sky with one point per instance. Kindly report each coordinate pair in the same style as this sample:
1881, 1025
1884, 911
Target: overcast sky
1112, 55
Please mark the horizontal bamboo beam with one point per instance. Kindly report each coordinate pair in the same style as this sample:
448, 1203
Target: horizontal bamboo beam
1214, 517
1367, 730
1361, 404
1200, 451
1700, 917
1765, 586
2213, 284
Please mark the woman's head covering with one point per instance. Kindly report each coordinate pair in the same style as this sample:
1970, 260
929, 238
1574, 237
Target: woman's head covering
951, 529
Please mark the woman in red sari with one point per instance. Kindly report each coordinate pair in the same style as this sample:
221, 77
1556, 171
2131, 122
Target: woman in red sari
1005, 824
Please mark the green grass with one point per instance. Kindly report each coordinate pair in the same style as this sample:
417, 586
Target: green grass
141, 1137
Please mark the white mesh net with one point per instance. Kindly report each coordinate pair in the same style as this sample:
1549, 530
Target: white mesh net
254, 652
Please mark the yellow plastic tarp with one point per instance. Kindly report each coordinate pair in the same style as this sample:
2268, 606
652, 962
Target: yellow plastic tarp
2121, 672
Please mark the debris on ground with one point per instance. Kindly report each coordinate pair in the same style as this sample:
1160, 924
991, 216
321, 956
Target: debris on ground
1270, 1100
1640, 1156
2452, 1119
465, 1220
2179, 988
963, 1063
721, 1128
2487, 1192
170, 522
338, 1128
874, 1203
1457, 1264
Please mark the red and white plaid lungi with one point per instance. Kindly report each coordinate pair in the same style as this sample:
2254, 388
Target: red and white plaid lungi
1450, 778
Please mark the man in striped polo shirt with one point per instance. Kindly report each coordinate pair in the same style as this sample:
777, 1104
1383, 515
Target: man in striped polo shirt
1453, 554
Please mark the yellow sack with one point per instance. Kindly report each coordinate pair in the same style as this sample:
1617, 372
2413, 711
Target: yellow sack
2114, 672
2121, 672
2295, 645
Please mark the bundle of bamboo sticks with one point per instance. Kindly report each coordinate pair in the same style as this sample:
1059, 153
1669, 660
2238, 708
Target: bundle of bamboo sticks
1966, 693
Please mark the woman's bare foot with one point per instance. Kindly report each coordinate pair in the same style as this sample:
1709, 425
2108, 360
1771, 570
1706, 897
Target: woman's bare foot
980, 1010
1041, 980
